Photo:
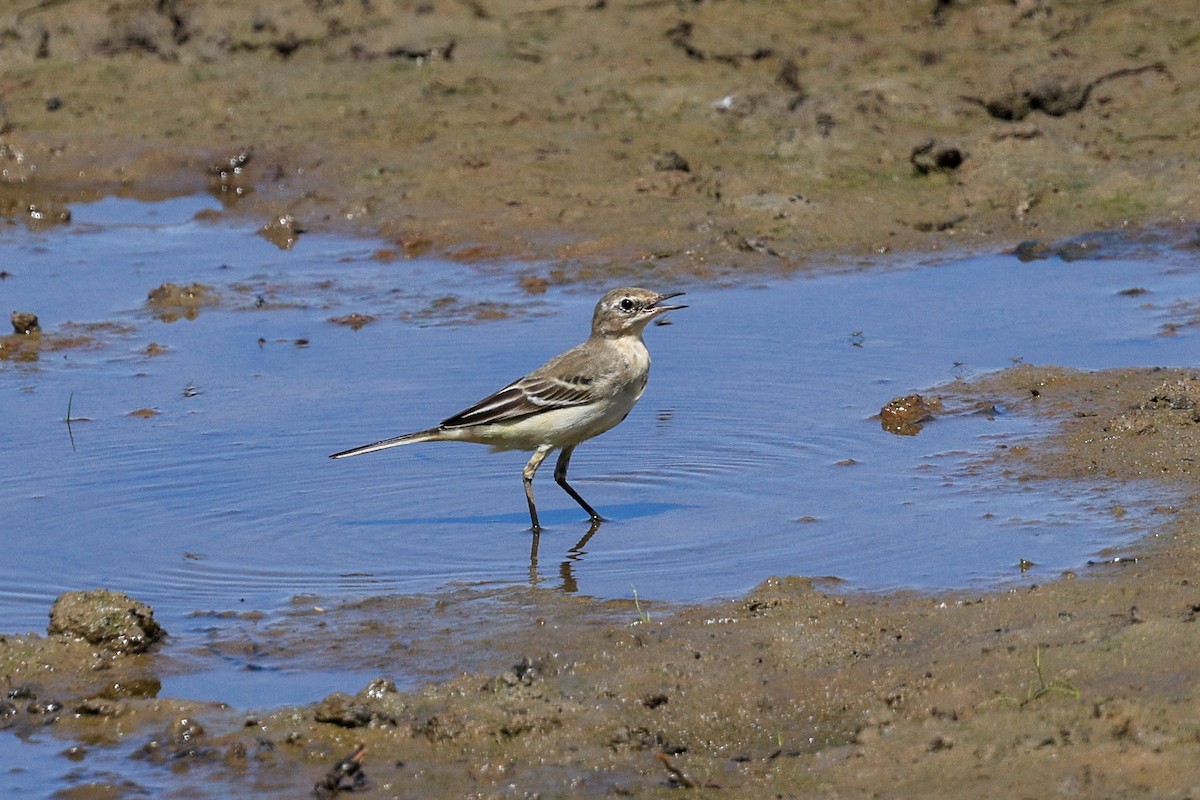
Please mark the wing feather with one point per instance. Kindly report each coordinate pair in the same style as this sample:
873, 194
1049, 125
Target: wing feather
529, 395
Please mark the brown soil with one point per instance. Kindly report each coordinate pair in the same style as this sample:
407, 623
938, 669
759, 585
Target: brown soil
652, 139
606, 138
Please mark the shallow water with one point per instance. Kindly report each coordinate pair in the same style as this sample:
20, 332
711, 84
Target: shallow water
754, 451
40, 764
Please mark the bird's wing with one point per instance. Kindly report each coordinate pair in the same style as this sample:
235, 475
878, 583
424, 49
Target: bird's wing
530, 395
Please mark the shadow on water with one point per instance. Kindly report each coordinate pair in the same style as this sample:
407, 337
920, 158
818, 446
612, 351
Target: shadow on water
193, 473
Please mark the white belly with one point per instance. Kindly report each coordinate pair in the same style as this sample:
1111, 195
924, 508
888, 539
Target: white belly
559, 427
562, 427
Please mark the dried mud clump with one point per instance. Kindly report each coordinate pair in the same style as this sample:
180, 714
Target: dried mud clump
354, 320
282, 231
112, 620
170, 301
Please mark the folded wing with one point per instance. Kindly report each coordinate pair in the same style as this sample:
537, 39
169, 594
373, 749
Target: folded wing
529, 395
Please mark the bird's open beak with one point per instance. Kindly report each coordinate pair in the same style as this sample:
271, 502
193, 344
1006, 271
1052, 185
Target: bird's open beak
659, 308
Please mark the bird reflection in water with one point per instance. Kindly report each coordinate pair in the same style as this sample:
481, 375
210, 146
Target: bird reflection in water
566, 569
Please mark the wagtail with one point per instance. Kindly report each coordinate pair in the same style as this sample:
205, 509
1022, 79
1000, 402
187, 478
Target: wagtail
572, 397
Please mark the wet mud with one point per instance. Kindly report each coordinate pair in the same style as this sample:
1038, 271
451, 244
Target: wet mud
606, 141
28, 341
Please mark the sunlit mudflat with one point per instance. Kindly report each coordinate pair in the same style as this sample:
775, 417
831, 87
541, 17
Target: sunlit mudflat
754, 452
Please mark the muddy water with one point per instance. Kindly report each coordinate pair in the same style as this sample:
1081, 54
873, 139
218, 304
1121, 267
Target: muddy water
194, 474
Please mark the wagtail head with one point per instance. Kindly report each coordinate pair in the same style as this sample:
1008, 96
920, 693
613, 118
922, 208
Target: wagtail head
627, 311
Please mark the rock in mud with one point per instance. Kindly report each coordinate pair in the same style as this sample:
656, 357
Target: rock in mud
24, 323
905, 415
343, 710
111, 620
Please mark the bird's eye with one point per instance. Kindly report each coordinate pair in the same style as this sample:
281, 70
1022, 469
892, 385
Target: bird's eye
626, 304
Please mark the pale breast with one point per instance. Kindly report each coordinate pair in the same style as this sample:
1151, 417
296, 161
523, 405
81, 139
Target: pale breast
637, 359
557, 427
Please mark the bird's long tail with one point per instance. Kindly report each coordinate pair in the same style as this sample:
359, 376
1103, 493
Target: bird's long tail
431, 435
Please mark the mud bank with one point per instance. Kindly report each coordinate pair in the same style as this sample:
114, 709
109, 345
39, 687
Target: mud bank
609, 139
1085, 686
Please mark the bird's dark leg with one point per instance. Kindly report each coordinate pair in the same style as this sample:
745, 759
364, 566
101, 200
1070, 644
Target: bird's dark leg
560, 477
527, 474
534, 580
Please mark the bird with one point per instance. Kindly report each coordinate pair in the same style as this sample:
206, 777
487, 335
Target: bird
573, 397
